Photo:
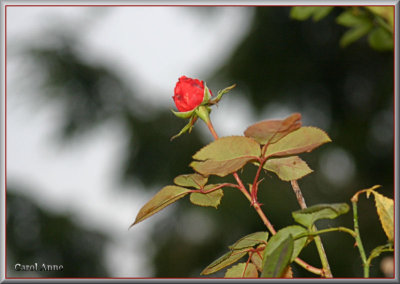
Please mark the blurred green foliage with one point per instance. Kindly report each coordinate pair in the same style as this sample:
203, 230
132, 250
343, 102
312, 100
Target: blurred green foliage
279, 62
376, 21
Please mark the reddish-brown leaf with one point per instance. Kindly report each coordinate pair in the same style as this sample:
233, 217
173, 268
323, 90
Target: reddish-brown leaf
271, 131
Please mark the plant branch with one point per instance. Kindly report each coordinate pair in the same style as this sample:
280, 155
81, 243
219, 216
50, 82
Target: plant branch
243, 189
306, 266
358, 239
299, 195
254, 187
263, 217
318, 242
372, 256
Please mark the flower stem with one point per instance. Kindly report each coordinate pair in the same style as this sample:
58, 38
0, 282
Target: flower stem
212, 130
263, 217
318, 242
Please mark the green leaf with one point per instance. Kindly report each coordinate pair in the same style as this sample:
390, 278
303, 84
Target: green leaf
191, 180
162, 199
380, 39
250, 240
303, 13
242, 270
225, 155
220, 168
277, 260
224, 261
385, 12
349, 19
354, 34
321, 13
360, 24
308, 216
212, 199
287, 169
384, 207
227, 148
282, 234
271, 131
304, 139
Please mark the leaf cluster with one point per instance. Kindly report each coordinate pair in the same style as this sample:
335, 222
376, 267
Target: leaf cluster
272, 257
270, 144
375, 21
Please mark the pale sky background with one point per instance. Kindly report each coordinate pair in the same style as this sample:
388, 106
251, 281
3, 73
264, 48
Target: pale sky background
81, 178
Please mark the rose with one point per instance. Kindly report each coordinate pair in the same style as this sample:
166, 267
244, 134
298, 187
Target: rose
188, 93
193, 100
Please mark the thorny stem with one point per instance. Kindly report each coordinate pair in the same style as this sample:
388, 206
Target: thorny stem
306, 266
254, 188
263, 217
321, 251
244, 190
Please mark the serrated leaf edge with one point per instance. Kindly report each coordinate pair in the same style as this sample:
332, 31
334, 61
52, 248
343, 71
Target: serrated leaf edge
216, 206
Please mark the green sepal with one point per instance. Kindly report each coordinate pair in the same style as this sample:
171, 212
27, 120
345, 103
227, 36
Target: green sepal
204, 113
222, 92
207, 95
188, 127
184, 114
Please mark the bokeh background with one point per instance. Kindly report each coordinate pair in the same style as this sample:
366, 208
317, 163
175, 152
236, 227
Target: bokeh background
89, 124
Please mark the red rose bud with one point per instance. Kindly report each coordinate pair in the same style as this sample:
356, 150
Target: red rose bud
188, 94
193, 100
